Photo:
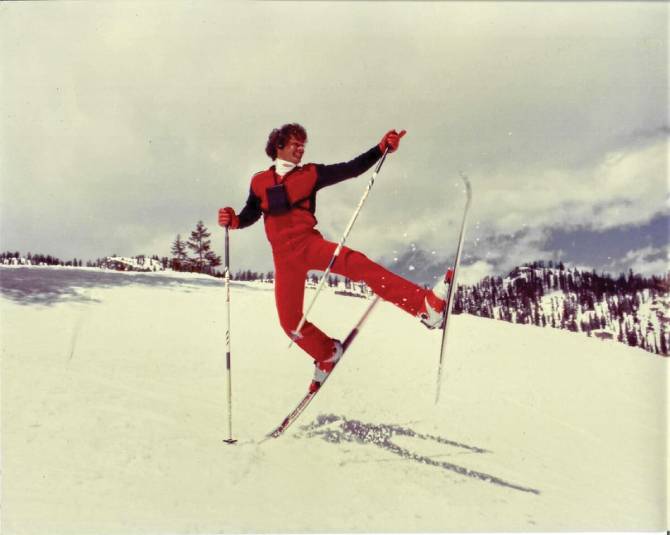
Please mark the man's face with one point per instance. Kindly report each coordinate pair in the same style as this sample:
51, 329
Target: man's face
292, 151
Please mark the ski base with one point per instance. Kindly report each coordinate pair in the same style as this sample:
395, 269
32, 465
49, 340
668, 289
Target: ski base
307, 399
453, 287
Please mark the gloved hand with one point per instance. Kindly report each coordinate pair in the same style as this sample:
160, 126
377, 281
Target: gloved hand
228, 218
391, 140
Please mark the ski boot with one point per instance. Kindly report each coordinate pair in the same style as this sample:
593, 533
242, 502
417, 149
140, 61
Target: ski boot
323, 368
434, 305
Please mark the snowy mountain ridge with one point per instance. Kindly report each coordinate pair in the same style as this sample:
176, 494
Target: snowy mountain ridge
630, 309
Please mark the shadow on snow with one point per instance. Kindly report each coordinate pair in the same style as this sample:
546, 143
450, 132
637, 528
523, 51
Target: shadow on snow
45, 286
336, 429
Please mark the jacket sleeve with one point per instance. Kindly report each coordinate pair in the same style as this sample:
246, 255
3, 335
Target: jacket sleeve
327, 175
251, 211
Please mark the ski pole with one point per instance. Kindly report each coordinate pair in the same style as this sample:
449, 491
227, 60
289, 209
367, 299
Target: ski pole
229, 390
296, 333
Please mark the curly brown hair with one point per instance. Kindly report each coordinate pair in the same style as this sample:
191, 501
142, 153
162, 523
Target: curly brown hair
279, 136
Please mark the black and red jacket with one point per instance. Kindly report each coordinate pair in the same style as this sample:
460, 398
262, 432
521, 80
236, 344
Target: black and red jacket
295, 217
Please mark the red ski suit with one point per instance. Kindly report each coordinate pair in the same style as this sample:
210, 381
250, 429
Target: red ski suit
288, 204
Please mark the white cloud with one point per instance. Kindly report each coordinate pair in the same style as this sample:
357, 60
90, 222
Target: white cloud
619, 188
625, 187
473, 273
645, 261
507, 252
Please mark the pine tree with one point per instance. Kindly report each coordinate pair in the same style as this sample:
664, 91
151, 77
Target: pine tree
631, 337
200, 244
179, 256
213, 260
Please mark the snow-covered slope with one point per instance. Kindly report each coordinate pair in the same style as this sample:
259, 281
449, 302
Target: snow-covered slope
113, 415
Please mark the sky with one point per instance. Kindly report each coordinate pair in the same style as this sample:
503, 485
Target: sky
125, 123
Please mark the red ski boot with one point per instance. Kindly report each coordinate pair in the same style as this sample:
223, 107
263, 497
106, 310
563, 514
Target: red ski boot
435, 304
323, 368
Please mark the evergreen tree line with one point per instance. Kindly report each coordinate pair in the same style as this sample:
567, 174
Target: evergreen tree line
596, 304
38, 259
333, 281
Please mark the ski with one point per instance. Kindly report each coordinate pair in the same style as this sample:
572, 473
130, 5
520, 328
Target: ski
307, 399
453, 286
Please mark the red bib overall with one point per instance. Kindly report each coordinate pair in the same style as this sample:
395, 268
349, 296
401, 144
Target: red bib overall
298, 248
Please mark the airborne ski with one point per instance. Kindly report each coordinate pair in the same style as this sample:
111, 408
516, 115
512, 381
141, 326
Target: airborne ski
452, 286
307, 399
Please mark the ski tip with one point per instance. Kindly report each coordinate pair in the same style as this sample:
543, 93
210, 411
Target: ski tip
466, 180
279, 431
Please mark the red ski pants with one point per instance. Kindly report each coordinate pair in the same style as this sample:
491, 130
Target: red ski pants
291, 267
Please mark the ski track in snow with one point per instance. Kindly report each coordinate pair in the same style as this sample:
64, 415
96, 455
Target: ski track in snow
113, 418
382, 436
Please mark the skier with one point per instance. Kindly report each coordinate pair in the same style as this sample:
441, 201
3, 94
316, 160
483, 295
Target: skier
285, 194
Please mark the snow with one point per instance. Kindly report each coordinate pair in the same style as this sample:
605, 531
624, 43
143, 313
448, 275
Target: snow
114, 412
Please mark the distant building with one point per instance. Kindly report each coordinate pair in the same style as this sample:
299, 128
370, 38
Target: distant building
16, 262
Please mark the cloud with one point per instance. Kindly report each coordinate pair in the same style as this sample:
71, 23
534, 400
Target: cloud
624, 187
150, 116
645, 261
474, 273
511, 215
